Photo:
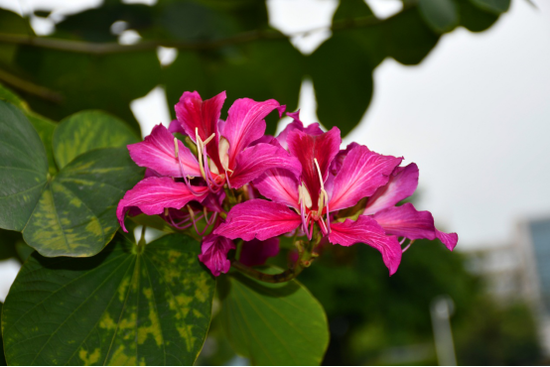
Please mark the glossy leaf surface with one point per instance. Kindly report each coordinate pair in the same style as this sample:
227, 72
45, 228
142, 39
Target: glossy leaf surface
75, 215
273, 324
129, 305
89, 130
23, 167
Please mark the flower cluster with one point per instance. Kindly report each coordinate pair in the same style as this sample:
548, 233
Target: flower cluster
230, 181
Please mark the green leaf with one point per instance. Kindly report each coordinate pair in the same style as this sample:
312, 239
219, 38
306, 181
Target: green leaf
43, 126
8, 96
107, 82
2, 355
89, 130
473, 18
45, 129
342, 78
11, 23
408, 38
273, 324
23, 168
129, 305
493, 6
440, 15
75, 215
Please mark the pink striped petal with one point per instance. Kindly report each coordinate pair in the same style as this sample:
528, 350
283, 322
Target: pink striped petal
312, 129
280, 186
158, 152
402, 184
256, 252
214, 251
153, 194
406, 221
366, 230
259, 219
337, 162
254, 161
448, 239
175, 127
245, 124
307, 148
194, 114
361, 174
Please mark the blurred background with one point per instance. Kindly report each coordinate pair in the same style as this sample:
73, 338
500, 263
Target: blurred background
461, 87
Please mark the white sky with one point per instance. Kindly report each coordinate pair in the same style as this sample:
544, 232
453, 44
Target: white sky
474, 116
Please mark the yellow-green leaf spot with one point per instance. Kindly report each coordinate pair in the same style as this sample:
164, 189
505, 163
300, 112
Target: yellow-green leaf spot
89, 359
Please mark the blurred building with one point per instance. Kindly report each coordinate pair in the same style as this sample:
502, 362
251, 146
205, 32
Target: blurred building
534, 245
520, 271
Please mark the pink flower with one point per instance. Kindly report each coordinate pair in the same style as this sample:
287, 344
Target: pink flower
227, 152
331, 180
230, 151
214, 251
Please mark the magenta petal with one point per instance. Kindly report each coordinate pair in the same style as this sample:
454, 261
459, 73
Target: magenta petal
245, 124
256, 252
175, 127
402, 184
366, 230
195, 114
280, 186
153, 194
307, 148
361, 174
312, 129
448, 239
158, 152
214, 251
406, 221
259, 219
254, 161
336, 164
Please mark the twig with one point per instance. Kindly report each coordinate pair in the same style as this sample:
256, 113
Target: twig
31, 88
113, 47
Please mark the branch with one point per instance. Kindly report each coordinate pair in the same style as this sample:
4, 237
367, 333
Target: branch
113, 47
31, 88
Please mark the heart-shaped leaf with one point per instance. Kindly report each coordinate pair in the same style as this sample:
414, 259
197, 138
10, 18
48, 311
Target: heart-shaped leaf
23, 168
75, 215
89, 130
273, 324
129, 305
73, 212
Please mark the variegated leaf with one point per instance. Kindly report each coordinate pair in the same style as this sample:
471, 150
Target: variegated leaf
23, 167
75, 215
87, 130
128, 305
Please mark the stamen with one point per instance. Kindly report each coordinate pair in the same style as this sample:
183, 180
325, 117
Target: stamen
407, 247
323, 198
176, 148
319, 173
209, 139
